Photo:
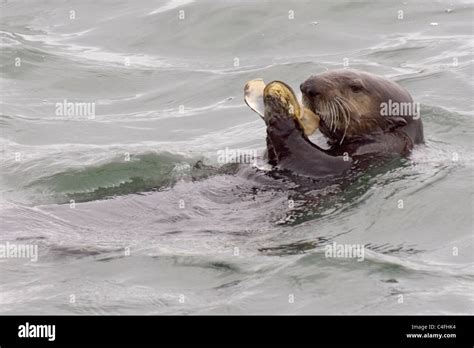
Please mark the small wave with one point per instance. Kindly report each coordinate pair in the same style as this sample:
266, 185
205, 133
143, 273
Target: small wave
394, 260
96, 54
142, 173
148, 115
171, 5
8, 39
169, 113
418, 265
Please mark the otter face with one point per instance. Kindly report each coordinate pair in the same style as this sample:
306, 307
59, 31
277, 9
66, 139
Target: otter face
344, 101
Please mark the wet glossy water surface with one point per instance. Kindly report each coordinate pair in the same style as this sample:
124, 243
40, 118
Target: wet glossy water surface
132, 211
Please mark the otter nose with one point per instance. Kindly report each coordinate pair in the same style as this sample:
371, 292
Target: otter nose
309, 89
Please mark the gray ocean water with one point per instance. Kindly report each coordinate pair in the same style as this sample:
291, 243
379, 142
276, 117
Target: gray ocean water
127, 221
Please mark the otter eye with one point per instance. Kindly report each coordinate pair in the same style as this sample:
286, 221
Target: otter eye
356, 88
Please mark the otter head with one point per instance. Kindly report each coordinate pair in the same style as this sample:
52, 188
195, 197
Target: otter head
348, 103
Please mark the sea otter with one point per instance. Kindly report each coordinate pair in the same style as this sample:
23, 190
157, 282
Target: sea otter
351, 110
356, 114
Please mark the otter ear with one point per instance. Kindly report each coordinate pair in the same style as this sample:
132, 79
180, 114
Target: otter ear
309, 120
253, 95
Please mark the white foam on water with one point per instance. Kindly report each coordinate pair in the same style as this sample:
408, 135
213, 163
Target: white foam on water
170, 6
96, 54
